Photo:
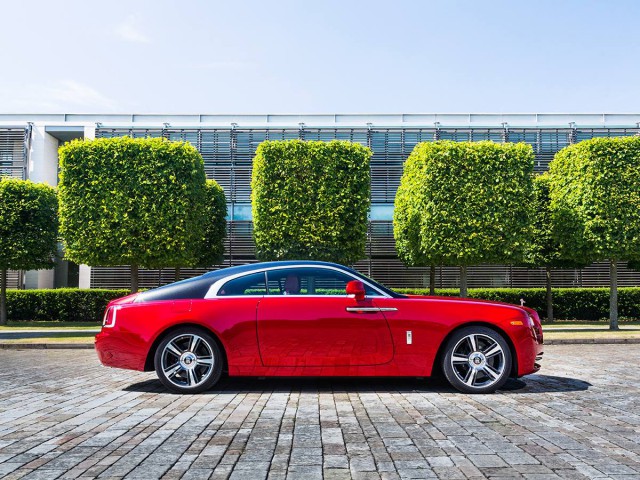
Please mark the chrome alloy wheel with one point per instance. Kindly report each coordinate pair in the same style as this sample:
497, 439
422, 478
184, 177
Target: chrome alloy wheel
187, 360
478, 360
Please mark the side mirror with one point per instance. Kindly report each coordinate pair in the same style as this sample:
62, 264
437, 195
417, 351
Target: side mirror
355, 289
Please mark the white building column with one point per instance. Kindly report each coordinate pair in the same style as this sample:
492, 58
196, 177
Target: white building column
43, 168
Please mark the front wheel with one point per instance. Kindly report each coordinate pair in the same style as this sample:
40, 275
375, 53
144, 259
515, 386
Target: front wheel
476, 360
188, 360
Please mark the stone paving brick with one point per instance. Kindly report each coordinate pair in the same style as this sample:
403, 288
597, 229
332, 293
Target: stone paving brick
336, 474
577, 419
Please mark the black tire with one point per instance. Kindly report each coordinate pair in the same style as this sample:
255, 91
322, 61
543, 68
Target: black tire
483, 369
182, 370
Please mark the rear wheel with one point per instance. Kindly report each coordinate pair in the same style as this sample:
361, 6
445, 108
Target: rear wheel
477, 360
188, 360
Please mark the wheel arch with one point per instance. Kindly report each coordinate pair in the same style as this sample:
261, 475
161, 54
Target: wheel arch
437, 366
148, 364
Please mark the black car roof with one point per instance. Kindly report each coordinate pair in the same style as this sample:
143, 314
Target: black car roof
225, 272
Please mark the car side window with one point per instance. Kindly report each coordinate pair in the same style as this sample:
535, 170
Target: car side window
253, 284
310, 281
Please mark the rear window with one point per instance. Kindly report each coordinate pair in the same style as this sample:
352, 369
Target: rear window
253, 284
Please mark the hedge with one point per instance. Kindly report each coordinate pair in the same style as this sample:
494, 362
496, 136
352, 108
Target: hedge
64, 304
568, 303
76, 305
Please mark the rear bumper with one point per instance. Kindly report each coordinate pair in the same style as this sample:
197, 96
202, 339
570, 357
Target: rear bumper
120, 350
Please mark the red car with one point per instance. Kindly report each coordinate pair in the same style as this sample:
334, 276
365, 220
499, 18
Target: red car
303, 318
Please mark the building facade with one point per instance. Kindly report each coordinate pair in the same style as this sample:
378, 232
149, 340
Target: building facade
29, 143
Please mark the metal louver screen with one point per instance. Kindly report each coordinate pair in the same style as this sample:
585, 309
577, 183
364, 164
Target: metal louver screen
15, 279
13, 153
586, 134
545, 143
228, 156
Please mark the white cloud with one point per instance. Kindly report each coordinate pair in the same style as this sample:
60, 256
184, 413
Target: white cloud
62, 96
72, 92
129, 31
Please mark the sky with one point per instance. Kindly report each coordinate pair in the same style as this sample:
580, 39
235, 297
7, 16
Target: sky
326, 56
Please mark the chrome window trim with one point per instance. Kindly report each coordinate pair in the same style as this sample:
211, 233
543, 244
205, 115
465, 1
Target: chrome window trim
223, 281
215, 288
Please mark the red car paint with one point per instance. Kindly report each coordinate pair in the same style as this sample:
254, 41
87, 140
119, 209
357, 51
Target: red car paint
317, 335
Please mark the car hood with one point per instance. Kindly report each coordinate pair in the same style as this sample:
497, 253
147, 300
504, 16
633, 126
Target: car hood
471, 300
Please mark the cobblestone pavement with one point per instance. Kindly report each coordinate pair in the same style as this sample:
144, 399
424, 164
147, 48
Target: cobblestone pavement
64, 415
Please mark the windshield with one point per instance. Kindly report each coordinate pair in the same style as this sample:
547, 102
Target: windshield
377, 284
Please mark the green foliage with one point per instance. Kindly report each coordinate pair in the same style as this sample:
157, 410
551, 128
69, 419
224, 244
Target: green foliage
568, 303
63, 304
212, 249
132, 201
28, 225
595, 199
463, 203
310, 200
544, 250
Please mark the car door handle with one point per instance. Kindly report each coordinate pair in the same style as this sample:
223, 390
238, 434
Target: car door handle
363, 309
370, 309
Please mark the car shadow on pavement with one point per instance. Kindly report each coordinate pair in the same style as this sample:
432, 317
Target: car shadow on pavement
544, 384
235, 385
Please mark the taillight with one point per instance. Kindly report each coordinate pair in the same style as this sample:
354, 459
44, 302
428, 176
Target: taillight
109, 319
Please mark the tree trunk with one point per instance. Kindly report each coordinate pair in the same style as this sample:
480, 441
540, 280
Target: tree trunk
176, 275
613, 295
463, 281
432, 280
134, 278
3, 297
549, 296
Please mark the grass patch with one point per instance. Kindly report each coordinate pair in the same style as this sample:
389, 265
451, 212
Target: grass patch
586, 326
591, 335
41, 325
588, 323
66, 339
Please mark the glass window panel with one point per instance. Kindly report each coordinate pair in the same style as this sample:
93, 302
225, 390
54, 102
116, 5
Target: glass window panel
310, 281
253, 284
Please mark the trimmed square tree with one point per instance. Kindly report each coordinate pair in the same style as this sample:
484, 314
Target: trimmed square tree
28, 230
464, 203
544, 248
139, 202
310, 200
595, 203
212, 250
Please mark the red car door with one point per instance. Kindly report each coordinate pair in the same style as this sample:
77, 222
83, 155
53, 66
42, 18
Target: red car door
321, 331
320, 327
